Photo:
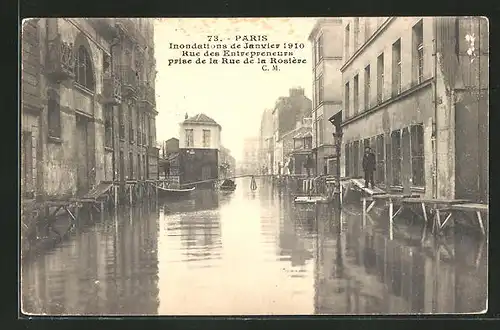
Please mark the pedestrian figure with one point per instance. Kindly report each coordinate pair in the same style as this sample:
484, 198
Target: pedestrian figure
253, 184
369, 166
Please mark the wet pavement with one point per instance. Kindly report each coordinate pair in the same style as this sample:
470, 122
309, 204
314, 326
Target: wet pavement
254, 252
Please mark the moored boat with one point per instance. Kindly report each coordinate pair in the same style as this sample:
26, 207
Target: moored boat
174, 192
228, 185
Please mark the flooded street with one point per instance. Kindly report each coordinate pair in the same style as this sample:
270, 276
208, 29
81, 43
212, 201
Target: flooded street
252, 252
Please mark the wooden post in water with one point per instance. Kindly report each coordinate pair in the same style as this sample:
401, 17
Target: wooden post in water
391, 211
115, 188
130, 194
364, 211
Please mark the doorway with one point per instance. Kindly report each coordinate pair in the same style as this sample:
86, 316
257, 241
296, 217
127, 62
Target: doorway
82, 174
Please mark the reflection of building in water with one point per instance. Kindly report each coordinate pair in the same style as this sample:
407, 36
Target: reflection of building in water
384, 276
200, 231
290, 243
117, 266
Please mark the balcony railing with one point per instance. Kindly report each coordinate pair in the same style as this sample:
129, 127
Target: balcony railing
112, 89
147, 94
130, 81
60, 59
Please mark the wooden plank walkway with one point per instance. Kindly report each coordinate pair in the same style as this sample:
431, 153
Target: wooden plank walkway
360, 185
477, 208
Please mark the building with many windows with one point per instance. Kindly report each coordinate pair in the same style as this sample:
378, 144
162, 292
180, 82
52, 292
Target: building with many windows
199, 147
325, 38
88, 104
416, 90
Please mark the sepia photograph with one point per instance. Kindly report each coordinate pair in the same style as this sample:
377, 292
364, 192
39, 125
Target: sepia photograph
254, 166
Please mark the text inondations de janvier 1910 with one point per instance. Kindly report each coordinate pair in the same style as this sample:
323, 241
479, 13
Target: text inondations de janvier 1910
255, 50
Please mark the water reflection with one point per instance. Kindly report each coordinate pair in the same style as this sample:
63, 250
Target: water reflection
254, 252
109, 268
373, 274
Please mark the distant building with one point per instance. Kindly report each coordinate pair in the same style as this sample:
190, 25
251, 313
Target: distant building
265, 137
297, 146
415, 89
287, 112
250, 162
170, 146
326, 38
199, 146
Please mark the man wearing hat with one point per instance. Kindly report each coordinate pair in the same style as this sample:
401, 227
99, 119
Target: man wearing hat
369, 166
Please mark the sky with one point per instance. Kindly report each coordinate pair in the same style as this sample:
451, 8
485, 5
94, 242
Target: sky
234, 95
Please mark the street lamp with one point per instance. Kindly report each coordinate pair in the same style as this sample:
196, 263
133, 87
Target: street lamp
336, 121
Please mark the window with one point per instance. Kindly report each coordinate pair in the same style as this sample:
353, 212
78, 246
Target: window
108, 127
396, 157
417, 155
367, 87
131, 165
139, 167
347, 160
356, 94
418, 53
138, 127
189, 138
346, 99
355, 159
84, 75
146, 167
121, 123
206, 138
347, 35
380, 78
320, 90
130, 125
148, 130
380, 156
319, 48
308, 142
396, 68
321, 130
54, 118
27, 162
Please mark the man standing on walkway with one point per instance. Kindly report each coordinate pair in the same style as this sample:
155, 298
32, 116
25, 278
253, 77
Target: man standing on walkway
369, 166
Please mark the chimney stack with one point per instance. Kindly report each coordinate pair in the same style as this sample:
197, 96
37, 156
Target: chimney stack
186, 116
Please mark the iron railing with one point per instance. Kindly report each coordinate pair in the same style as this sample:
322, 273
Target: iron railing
60, 59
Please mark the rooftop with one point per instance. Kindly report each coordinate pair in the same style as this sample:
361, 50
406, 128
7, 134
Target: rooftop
200, 118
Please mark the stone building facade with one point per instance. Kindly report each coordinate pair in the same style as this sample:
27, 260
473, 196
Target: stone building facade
88, 104
326, 38
424, 115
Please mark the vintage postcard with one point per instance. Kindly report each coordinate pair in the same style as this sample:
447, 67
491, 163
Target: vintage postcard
254, 166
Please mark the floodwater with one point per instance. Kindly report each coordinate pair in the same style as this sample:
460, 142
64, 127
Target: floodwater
254, 252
